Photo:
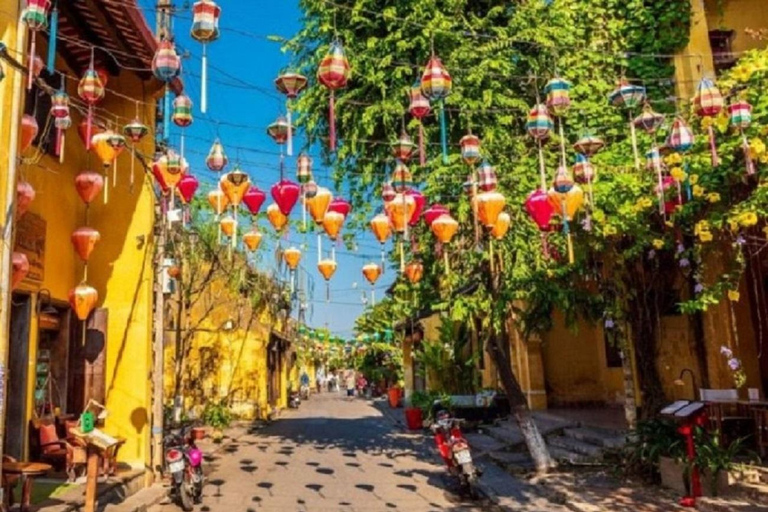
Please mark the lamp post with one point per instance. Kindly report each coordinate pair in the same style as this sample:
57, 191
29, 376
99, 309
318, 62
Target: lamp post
680, 382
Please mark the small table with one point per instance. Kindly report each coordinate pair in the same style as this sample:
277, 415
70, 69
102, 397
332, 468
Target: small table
27, 471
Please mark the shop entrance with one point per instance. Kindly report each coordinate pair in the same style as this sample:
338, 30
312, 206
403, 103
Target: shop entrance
18, 358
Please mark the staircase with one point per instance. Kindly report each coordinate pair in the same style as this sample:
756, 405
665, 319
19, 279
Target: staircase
747, 492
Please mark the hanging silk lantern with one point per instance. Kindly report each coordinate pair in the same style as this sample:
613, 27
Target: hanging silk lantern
400, 210
83, 299
566, 198
444, 228
371, 272
90, 89
20, 266
402, 148
436, 85
292, 257
541, 211
419, 202
108, 145
235, 184
228, 226
470, 149
318, 205
279, 130
670, 201
341, 206
84, 240
60, 112
500, 229
708, 103
188, 185
168, 170
583, 172
740, 117
217, 159
25, 194
28, 131
290, 84
558, 96
381, 228
432, 213
333, 73
486, 177
135, 131
205, 29
253, 199
35, 17
82, 129
309, 189
629, 97
182, 111
414, 271
539, 126
303, 168
166, 66
285, 193
401, 178
252, 240
276, 217
648, 121
489, 206
327, 268
88, 185
332, 223
680, 137
419, 108
387, 192
218, 201
588, 145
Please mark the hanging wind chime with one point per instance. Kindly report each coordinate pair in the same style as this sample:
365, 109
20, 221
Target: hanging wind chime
629, 97
205, 29
290, 84
35, 17
436, 85
166, 66
333, 73
708, 103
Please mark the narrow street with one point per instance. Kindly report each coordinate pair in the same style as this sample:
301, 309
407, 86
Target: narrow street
332, 454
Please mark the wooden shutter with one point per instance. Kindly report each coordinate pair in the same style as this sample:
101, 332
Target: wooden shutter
95, 355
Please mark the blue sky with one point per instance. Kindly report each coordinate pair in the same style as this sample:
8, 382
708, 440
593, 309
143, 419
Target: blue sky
243, 64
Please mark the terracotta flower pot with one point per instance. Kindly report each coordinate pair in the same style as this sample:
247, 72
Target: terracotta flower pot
198, 433
394, 397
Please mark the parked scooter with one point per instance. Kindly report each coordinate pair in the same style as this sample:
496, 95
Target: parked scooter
184, 462
304, 392
294, 400
454, 449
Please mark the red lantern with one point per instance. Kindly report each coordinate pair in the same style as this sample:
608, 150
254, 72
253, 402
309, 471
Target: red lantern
420, 201
84, 240
25, 194
20, 265
187, 187
29, 131
254, 199
540, 209
285, 193
88, 185
341, 206
433, 212
333, 74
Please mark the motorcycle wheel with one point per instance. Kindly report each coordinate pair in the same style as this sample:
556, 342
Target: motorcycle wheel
469, 480
198, 485
185, 493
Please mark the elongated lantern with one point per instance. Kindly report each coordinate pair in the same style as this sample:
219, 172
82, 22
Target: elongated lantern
629, 97
303, 169
134, 131
35, 17
182, 111
436, 84
205, 29
680, 140
88, 185
20, 265
402, 148
290, 84
25, 194
83, 299
62, 120
276, 217
650, 121
84, 241
29, 130
252, 240
470, 149
318, 205
419, 108
539, 126
501, 227
166, 66
740, 117
414, 271
708, 103
217, 159
558, 104
253, 199
90, 89
486, 177
333, 73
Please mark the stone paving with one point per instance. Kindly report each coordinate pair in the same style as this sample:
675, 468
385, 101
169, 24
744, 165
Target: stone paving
336, 454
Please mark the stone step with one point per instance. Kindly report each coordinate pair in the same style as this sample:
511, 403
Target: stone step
482, 443
754, 493
561, 455
508, 432
570, 444
512, 462
726, 505
604, 438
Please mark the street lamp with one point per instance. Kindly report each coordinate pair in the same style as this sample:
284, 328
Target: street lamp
680, 382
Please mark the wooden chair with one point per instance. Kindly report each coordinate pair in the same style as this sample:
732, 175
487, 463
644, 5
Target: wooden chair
9, 482
760, 414
50, 448
726, 416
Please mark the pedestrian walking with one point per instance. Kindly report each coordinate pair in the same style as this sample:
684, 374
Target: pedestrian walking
351, 385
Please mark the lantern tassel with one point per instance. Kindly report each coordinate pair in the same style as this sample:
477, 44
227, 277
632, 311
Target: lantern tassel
713, 147
633, 134
332, 122
402, 257
204, 81
447, 264
31, 77
114, 172
59, 133
106, 187
747, 156
661, 187
568, 237
289, 142
422, 156
52, 40
62, 144
443, 132
327, 291
167, 113
133, 166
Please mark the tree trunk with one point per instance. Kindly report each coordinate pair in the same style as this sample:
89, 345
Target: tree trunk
630, 400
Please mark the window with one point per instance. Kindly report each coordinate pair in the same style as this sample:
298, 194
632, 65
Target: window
38, 105
722, 51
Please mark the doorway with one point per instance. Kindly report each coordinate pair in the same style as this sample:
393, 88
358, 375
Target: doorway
18, 357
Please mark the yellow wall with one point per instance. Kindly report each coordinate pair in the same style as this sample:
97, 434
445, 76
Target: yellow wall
738, 15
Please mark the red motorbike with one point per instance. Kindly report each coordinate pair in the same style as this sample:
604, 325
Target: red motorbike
454, 449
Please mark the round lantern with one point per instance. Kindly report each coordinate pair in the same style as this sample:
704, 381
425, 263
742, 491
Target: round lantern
680, 137
372, 271
228, 226
401, 178
166, 64
188, 185
583, 172
252, 240
402, 148
433, 212
83, 299
627, 95
303, 169
489, 206
333, 73
540, 209
381, 228
279, 130
318, 205
708, 102
276, 217
20, 265
88, 185
253, 199
217, 159
235, 184
387, 192
414, 271
25, 194
218, 201
285, 193
444, 228
35, 17
108, 145
182, 111
649, 121
327, 268
400, 211
588, 145
28, 133
205, 29
419, 108
486, 177
470, 149
501, 227
332, 223
292, 257
539, 124
84, 240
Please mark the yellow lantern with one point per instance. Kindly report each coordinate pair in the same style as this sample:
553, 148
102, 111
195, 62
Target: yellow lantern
327, 268
414, 271
292, 257
276, 217
228, 226
332, 222
400, 210
381, 227
489, 206
83, 299
567, 204
444, 228
252, 240
218, 201
318, 205
372, 271
234, 185
502, 226
107, 145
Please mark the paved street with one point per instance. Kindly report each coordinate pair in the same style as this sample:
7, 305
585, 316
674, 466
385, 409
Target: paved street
332, 455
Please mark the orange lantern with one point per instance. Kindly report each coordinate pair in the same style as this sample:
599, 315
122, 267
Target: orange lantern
218, 201
381, 227
228, 226
83, 299
174, 271
444, 228
276, 217
400, 210
234, 185
252, 240
20, 264
372, 271
502, 226
414, 271
327, 268
107, 145
332, 222
489, 206
84, 240
318, 205
25, 194
88, 185
29, 130
292, 257
568, 203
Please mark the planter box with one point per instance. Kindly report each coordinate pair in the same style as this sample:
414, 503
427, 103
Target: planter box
672, 478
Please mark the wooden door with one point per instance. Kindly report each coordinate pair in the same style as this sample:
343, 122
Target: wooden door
18, 358
87, 369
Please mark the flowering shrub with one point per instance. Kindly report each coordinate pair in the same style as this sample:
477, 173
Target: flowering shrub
734, 364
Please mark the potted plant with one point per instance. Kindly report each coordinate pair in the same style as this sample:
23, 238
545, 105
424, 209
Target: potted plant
715, 460
218, 416
655, 452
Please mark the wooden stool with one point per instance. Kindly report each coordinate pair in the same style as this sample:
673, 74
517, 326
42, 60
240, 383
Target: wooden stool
27, 471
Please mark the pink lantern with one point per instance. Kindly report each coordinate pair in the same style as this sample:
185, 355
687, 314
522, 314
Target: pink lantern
285, 193
253, 199
419, 201
433, 212
341, 206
